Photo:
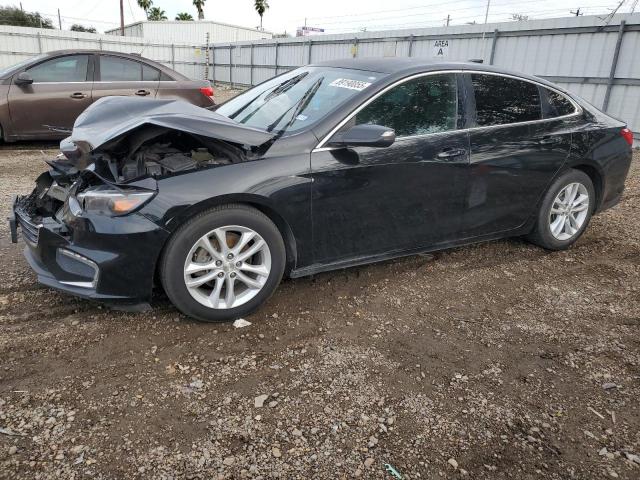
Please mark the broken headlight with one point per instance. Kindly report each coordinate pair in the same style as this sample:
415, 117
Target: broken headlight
105, 200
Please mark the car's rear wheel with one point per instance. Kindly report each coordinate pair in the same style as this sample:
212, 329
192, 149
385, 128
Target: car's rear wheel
223, 264
565, 211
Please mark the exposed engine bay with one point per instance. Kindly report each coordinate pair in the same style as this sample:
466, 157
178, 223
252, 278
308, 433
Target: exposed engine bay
159, 154
121, 147
150, 154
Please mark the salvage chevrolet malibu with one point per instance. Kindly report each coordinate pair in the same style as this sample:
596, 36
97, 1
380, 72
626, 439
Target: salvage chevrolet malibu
327, 166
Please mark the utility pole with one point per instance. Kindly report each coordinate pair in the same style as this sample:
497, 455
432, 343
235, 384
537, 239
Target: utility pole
448, 19
486, 15
577, 13
21, 9
59, 20
122, 18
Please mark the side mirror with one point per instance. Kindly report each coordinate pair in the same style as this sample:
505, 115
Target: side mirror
23, 79
364, 135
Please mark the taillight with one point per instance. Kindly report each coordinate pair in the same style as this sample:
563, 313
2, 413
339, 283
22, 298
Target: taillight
627, 135
207, 91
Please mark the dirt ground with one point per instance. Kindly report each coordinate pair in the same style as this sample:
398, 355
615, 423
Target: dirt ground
494, 361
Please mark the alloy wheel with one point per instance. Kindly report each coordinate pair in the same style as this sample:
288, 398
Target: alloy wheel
569, 211
227, 267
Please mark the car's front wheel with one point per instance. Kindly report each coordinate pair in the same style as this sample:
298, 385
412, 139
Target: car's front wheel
223, 264
565, 211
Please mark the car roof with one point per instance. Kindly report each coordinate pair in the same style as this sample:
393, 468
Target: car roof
400, 66
132, 56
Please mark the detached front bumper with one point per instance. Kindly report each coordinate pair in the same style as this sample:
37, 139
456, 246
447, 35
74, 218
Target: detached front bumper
108, 259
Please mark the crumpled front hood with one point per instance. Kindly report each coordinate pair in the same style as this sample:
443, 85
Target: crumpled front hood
112, 117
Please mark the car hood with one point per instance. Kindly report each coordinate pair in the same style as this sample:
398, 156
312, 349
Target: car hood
112, 117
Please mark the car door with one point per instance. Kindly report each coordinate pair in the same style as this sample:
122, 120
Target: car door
376, 201
60, 91
124, 77
515, 152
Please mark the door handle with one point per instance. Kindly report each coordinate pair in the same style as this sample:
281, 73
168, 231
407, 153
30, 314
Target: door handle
78, 95
449, 153
143, 93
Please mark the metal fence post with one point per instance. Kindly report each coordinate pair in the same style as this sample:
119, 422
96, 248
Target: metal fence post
100, 43
173, 55
231, 65
275, 63
410, 44
355, 47
206, 56
309, 53
496, 32
614, 65
213, 65
251, 68
39, 43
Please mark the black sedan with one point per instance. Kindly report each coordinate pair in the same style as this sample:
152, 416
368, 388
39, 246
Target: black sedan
324, 167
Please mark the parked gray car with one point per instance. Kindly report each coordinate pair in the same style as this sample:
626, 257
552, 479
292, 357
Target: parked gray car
41, 97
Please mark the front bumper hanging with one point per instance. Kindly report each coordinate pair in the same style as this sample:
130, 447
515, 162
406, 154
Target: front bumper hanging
106, 259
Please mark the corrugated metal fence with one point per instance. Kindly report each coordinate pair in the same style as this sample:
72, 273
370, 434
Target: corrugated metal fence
20, 43
597, 59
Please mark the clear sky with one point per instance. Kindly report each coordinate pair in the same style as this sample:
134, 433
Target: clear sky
335, 16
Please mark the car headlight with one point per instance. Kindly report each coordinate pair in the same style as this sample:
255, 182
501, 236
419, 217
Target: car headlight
106, 200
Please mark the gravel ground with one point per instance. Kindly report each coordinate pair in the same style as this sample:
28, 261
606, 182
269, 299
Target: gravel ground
494, 361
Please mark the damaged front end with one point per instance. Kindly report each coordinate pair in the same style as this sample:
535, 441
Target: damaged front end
110, 167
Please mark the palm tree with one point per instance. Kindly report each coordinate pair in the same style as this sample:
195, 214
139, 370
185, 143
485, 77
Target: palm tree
145, 5
199, 4
156, 14
184, 16
261, 7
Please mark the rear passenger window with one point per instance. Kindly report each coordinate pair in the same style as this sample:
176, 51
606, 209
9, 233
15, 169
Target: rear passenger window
421, 106
117, 69
114, 69
150, 74
559, 105
503, 100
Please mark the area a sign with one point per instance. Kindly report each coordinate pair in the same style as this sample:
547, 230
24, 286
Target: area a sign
440, 48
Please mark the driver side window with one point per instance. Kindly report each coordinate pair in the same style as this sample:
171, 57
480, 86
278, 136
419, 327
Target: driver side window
420, 106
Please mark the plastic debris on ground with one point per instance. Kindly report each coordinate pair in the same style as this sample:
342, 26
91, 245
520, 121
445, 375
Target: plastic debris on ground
240, 323
389, 468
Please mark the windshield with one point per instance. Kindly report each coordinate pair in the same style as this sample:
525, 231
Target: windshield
16, 66
297, 99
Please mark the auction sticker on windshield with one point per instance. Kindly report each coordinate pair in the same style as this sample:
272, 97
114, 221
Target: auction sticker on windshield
350, 84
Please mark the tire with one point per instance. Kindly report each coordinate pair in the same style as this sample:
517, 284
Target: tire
187, 253
545, 232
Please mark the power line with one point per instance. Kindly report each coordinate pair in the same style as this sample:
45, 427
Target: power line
493, 13
480, 7
458, 20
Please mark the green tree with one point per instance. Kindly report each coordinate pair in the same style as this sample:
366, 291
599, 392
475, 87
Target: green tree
261, 7
76, 27
145, 5
156, 14
15, 16
199, 4
184, 16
